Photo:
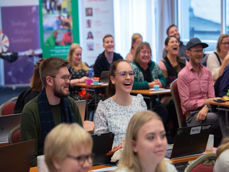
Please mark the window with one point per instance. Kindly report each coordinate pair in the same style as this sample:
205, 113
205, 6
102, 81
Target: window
227, 16
200, 19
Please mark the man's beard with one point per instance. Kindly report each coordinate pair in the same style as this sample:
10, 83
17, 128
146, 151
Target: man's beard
59, 94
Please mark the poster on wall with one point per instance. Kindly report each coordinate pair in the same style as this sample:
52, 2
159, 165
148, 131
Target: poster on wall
59, 26
18, 23
96, 20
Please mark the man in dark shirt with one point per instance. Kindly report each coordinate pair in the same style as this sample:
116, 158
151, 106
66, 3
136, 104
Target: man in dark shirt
107, 57
51, 107
172, 30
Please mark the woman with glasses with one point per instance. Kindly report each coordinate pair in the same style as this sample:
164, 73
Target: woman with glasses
68, 148
218, 60
145, 145
77, 69
147, 75
113, 114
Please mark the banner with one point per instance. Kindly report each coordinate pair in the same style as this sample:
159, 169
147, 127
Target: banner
59, 26
96, 20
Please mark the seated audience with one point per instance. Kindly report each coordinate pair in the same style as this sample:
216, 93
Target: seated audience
222, 83
33, 91
147, 75
195, 86
172, 64
114, 113
68, 147
145, 145
51, 107
108, 56
222, 153
218, 60
136, 40
172, 30
77, 69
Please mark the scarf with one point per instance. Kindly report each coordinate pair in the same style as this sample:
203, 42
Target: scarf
46, 117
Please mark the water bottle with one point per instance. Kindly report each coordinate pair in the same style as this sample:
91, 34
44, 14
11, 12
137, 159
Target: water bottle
91, 73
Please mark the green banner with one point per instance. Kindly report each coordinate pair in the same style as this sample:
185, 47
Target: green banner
59, 26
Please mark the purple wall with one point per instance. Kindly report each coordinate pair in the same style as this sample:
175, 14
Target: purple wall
21, 25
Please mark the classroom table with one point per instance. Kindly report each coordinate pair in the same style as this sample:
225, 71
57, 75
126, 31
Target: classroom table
35, 169
223, 111
152, 94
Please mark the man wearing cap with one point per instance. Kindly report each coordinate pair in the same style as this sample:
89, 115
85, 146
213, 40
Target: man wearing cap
195, 86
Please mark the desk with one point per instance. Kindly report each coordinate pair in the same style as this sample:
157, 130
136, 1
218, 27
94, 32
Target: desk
35, 169
149, 93
92, 88
223, 108
84, 85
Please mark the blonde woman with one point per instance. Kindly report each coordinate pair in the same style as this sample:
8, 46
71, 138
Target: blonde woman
145, 145
77, 69
68, 147
135, 41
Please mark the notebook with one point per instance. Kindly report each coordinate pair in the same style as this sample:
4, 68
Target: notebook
189, 141
7, 123
104, 77
82, 107
16, 157
102, 144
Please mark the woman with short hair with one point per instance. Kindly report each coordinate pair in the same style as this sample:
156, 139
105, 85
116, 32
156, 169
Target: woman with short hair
68, 147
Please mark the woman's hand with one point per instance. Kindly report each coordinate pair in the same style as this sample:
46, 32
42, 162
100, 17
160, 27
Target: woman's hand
155, 82
83, 79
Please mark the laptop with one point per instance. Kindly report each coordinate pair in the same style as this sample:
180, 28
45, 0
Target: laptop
17, 157
7, 123
104, 77
82, 108
102, 144
189, 141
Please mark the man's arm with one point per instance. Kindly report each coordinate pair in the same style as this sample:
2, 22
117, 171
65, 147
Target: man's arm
184, 93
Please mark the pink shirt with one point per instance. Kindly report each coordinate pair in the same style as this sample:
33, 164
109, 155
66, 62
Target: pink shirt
193, 88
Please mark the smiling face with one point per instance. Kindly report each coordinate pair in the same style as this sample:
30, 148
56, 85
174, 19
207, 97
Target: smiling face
61, 82
144, 56
151, 143
224, 46
77, 56
195, 55
108, 44
122, 79
72, 165
173, 31
173, 46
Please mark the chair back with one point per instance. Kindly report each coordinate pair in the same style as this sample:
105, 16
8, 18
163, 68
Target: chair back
176, 99
14, 135
204, 163
8, 107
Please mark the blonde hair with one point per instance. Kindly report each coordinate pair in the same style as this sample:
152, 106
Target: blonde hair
224, 145
129, 158
63, 139
220, 40
135, 37
139, 48
82, 65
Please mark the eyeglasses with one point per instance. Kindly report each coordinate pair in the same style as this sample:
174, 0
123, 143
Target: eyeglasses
82, 158
64, 77
124, 73
225, 43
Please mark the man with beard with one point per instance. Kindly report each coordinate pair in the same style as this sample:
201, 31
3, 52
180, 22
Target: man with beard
172, 30
51, 107
107, 57
195, 87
